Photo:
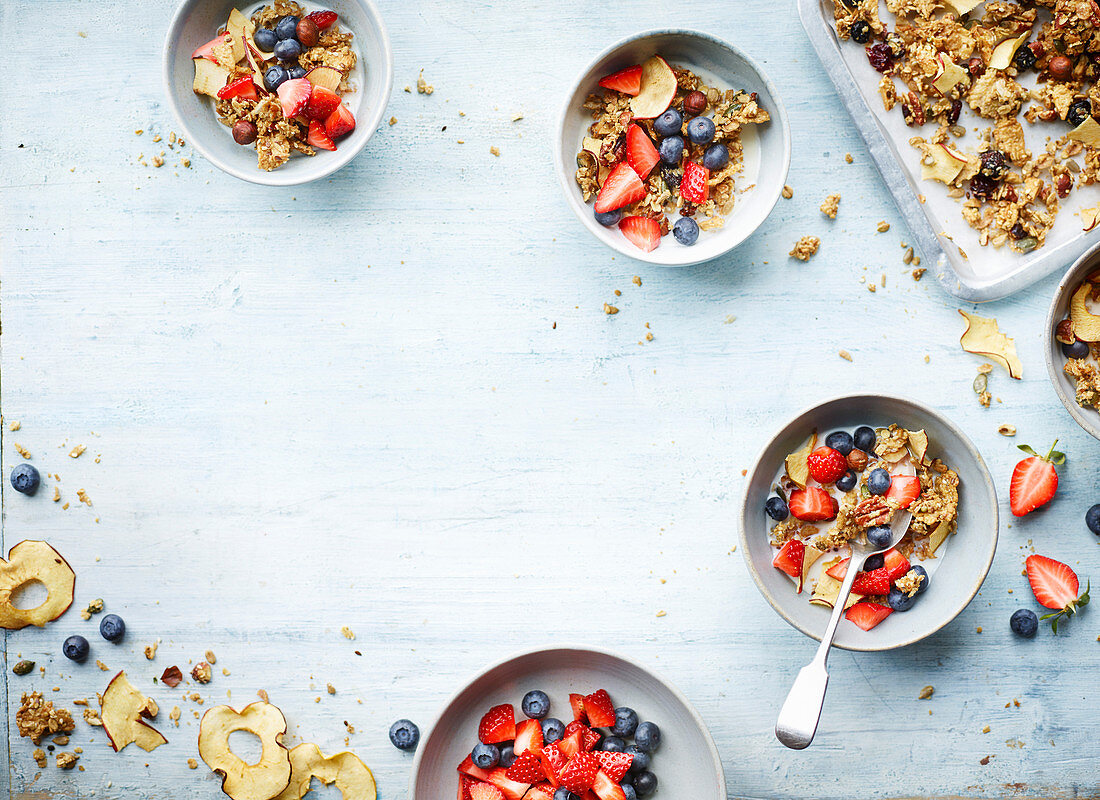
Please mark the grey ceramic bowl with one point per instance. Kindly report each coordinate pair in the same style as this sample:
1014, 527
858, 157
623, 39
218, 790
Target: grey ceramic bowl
687, 753
1087, 418
197, 21
969, 552
766, 161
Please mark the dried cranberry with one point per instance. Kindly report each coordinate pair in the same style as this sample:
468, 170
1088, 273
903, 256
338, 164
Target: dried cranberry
954, 111
1024, 59
975, 67
880, 57
983, 187
1079, 112
1018, 232
994, 164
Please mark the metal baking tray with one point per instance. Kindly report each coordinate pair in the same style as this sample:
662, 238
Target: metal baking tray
983, 273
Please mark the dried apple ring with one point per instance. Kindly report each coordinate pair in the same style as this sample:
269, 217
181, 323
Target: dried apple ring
124, 710
352, 777
29, 561
240, 780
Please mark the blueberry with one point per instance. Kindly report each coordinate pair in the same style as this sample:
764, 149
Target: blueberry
1024, 623
847, 481
75, 648
1076, 350
626, 720
403, 733
265, 39
879, 536
686, 231
112, 628
701, 130
840, 441
648, 736
275, 77
609, 219
296, 72
286, 27
669, 123
564, 794
629, 792
485, 756
873, 562
865, 438
536, 704
552, 729
715, 157
641, 758
612, 744
288, 49
671, 149
776, 508
1092, 519
645, 784
924, 574
899, 600
507, 756
878, 482
25, 479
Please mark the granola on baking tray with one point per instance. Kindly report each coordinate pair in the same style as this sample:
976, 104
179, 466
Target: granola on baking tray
848, 488
1014, 68
279, 79
689, 174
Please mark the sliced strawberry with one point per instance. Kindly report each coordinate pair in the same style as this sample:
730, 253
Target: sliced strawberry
827, 465
693, 186
867, 615
599, 709
573, 727
643, 232
242, 87
317, 136
590, 738
628, 81
485, 791
571, 744
641, 155
541, 791
1034, 480
1055, 585
607, 788
621, 188
207, 50
877, 581
293, 96
904, 489
553, 759
895, 564
576, 702
513, 790
322, 102
527, 768
615, 765
838, 570
812, 504
322, 18
464, 784
790, 557
468, 767
528, 737
498, 725
340, 122
580, 773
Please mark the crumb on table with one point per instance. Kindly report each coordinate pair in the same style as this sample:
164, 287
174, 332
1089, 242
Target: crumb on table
805, 248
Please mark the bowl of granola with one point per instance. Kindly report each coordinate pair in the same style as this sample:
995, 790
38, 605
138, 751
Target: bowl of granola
673, 147
278, 92
841, 470
1073, 341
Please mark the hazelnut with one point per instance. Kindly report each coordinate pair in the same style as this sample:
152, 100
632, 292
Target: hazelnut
1060, 68
1064, 332
695, 103
202, 672
307, 32
857, 459
244, 132
975, 67
1064, 183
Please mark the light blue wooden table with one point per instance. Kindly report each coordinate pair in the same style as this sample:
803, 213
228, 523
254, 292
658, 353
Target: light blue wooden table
392, 401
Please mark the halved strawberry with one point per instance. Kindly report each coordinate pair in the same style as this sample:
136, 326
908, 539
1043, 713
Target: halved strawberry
513, 790
580, 773
693, 186
643, 232
464, 784
827, 465
576, 702
590, 738
573, 727
790, 557
1034, 480
641, 155
322, 18
904, 489
340, 122
541, 791
628, 81
621, 188
812, 504
498, 725
317, 136
606, 788
895, 564
571, 744
1055, 586
485, 791
615, 765
867, 615
293, 96
527, 768
528, 737
322, 102
599, 709
839, 569
553, 759
207, 50
468, 767
242, 87
877, 581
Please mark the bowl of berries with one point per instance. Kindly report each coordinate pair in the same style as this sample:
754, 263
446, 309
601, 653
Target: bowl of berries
836, 476
566, 723
278, 92
1073, 341
673, 147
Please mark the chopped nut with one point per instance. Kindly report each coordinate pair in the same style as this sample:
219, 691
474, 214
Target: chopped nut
151, 650
805, 248
347, 632
192, 763
171, 677
918, 273
66, 760
926, 693
330, 688
637, 281
77, 451
788, 192
201, 672
422, 86
1007, 430
609, 309
883, 226
845, 355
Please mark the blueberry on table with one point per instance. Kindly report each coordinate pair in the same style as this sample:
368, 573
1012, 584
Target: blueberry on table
1024, 623
879, 536
507, 756
847, 481
648, 736
776, 508
669, 123
686, 231
899, 600
275, 77
716, 156
1076, 350
552, 730
645, 784
75, 648
536, 704
404, 734
1092, 519
265, 39
609, 219
485, 756
878, 482
112, 628
701, 130
626, 718
641, 758
288, 50
923, 573
25, 479
873, 562
841, 441
612, 744
286, 27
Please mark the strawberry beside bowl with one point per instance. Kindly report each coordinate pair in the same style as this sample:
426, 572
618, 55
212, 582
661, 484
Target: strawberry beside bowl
686, 759
959, 568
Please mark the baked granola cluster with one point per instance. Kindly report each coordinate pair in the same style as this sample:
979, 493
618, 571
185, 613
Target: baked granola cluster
1009, 63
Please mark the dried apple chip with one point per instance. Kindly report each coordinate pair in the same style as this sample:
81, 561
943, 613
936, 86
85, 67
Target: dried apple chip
1086, 325
352, 777
240, 780
918, 445
29, 561
122, 709
798, 468
982, 337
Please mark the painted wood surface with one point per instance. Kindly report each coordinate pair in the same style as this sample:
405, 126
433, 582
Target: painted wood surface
392, 401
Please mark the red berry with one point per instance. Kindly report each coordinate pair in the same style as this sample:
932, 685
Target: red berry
827, 465
322, 18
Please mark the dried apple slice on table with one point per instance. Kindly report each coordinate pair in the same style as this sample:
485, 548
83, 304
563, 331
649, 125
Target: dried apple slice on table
124, 710
352, 777
30, 561
657, 89
240, 780
982, 337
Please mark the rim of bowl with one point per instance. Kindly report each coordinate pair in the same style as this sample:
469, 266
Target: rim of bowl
967, 444
712, 749
276, 178
1089, 260
780, 114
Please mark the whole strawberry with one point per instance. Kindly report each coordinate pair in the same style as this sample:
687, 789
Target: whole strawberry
827, 465
1034, 481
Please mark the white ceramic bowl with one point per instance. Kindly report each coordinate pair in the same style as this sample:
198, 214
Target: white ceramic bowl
767, 146
1087, 418
966, 557
687, 758
196, 22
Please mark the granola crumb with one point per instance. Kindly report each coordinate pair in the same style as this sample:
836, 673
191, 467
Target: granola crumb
805, 248
907, 258
330, 688
94, 607
848, 158
101, 665
347, 632
662, 613
422, 86
872, 287
66, 760
210, 659
37, 717
926, 693
918, 273
1006, 430
845, 355
14, 425
637, 281
495, 150
174, 715
830, 205
393, 121
22, 451
139, 131
192, 763
39, 756
610, 309
151, 650
82, 496
883, 226
984, 760
788, 192
262, 694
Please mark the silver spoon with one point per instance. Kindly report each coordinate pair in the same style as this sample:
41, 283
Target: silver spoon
801, 711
